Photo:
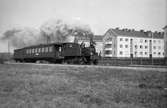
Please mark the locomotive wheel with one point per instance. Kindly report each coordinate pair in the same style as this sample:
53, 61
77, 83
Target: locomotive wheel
82, 61
95, 62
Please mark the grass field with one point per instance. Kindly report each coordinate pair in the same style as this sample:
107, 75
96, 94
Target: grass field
43, 86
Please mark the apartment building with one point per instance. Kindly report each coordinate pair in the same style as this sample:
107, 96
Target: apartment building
165, 40
131, 43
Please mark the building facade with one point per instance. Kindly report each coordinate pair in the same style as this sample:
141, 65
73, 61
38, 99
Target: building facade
126, 43
165, 40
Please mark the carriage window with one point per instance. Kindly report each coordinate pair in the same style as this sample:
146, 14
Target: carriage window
50, 49
30, 51
39, 50
33, 50
46, 49
26, 51
36, 49
43, 49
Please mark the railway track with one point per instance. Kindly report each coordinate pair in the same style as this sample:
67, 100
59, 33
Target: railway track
131, 67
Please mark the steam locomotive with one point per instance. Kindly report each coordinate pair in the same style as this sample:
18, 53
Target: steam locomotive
70, 53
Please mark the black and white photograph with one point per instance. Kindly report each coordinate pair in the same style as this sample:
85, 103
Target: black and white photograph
83, 53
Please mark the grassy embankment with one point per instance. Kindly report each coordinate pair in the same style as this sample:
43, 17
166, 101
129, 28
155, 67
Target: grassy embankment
35, 86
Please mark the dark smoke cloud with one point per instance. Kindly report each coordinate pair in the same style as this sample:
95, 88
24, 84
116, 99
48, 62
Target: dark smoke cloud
22, 37
51, 31
59, 30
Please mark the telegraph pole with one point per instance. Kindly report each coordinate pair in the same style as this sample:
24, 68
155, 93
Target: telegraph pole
8, 50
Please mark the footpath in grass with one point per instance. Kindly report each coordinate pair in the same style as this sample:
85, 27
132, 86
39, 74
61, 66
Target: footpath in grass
42, 86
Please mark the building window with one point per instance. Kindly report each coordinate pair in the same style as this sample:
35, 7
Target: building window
120, 52
154, 41
109, 39
126, 39
159, 41
141, 53
136, 46
159, 53
135, 53
121, 39
159, 47
126, 46
146, 47
154, 47
145, 41
145, 53
108, 45
121, 46
163, 53
141, 40
108, 52
141, 46
154, 52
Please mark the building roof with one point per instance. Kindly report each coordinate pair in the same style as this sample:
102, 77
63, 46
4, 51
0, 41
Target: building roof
95, 38
165, 27
134, 33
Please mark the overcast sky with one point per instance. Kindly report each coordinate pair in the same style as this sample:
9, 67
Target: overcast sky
99, 14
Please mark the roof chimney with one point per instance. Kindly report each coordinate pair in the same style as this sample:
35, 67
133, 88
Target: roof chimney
149, 33
117, 28
156, 32
142, 31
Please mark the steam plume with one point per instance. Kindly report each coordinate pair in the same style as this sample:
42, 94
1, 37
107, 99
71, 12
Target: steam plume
21, 37
59, 30
51, 31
